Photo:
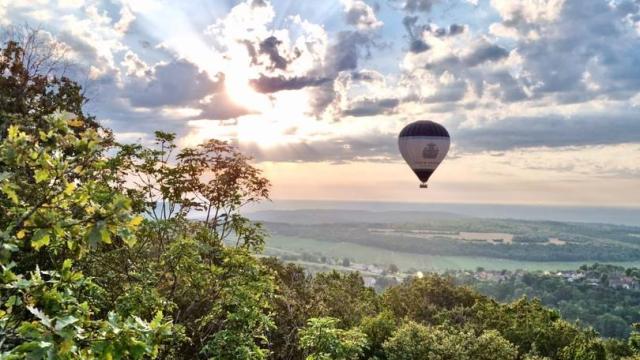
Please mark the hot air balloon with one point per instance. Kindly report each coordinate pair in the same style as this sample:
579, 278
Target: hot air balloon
423, 145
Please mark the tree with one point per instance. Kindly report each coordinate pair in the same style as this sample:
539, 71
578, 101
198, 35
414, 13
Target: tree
322, 340
415, 341
34, 82
292, 305
342, 296
378, 329
634, 339
393, 269
57, 205
421, 299
204, 271
585, 346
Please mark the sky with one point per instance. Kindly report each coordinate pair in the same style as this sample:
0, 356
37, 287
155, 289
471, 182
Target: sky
541, 97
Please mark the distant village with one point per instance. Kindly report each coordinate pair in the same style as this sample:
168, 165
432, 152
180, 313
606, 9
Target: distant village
380, 276
616, 280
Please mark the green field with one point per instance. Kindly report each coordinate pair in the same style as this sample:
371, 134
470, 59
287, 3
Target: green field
280, 245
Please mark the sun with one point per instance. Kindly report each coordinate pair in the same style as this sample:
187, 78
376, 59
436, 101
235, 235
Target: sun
238, 75
283, 121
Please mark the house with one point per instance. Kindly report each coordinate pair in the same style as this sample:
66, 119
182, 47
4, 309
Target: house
369, 281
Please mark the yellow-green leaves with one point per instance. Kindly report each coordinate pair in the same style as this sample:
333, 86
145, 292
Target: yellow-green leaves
13, 132
41, 175
10, 192
40, 238
68, 190
135, 221
75, 123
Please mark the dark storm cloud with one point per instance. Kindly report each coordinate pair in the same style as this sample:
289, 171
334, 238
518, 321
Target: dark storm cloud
269, 46
177, 83
266, 84
551, 131
372, 107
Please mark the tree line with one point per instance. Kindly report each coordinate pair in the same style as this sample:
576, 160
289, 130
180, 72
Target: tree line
589, 298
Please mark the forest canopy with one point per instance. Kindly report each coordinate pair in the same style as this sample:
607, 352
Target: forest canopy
99, 258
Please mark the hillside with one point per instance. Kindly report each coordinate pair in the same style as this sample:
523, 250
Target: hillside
448, 235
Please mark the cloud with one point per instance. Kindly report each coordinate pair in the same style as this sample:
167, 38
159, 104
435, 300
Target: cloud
360, 15
551, 131
419, 5
342, 56
178, 83
416, 33
348, 48
134, 66
372, 107
451, 92
455, 29
220, 107
416, 43
367, 147
483, 53
126, 19
258, 3
574, 50
367, 75
269, 46
265, 84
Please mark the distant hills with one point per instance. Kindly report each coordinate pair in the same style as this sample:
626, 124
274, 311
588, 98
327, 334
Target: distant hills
334, 216
562, 213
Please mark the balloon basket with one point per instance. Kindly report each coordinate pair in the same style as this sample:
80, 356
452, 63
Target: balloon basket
423, 186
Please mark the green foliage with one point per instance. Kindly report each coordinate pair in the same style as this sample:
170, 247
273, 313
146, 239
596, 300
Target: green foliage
292, 306
343, 296
322, 340
29, 86
415, 341
634, 339
378, 329
584, 347
58, 204
422, 299
609, 310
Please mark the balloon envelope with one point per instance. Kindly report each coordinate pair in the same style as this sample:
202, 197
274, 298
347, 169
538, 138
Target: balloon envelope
423, 145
